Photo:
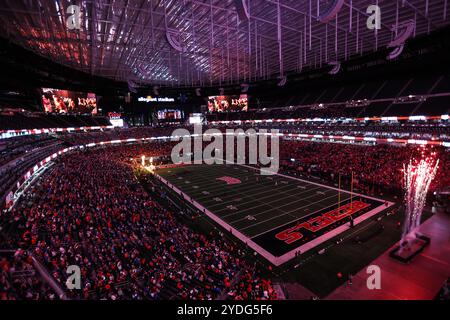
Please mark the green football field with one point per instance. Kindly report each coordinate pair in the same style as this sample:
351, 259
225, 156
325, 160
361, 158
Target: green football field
275, 215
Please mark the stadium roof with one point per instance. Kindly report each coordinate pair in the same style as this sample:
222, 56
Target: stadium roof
205, 42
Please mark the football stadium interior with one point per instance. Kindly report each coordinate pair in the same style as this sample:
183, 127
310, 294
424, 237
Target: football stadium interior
224, 150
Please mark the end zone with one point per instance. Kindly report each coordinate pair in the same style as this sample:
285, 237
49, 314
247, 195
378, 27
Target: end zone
283, 242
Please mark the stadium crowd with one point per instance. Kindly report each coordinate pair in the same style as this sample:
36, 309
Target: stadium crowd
19, 278
92, 212
373, 166
18, 147
386, 130
398, 130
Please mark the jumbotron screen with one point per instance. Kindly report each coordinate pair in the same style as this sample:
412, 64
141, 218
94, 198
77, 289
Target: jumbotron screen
228, 103
65, 101
169, 114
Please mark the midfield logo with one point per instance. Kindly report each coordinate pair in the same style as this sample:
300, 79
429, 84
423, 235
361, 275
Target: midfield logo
229, 180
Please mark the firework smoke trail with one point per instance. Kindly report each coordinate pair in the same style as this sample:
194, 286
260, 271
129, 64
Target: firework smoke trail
417, 180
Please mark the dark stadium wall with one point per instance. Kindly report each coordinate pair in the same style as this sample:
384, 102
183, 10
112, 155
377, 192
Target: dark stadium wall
23, 68
145, 112
24, 71
20, 97
112, 103
423, 56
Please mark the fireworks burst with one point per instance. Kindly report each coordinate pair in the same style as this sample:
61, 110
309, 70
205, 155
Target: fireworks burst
418, 176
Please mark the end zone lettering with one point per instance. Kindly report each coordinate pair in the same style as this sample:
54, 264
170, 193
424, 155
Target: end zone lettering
315, 224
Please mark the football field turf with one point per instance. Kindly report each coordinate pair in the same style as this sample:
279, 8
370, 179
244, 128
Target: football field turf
275, 215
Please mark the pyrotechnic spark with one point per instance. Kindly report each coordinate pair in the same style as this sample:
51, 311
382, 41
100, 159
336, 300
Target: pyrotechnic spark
417, 179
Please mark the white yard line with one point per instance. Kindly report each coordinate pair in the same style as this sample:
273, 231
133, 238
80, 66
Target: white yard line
301, 218
239, 189
287, 204
213, 188
236, 192
253, 196
278, 199
331, 234
258, 201
263, 203
249, 188
287, 213
291, 254
319, 184
219, 221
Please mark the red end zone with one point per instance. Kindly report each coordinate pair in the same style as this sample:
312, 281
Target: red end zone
307, 233
315, 224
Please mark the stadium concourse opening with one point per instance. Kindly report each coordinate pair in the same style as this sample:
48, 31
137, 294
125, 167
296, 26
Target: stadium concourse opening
333, 117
